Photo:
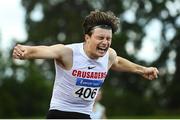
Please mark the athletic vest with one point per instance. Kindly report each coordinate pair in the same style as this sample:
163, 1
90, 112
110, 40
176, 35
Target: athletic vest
75, 90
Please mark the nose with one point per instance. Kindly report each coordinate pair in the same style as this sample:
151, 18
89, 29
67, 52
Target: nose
105, 41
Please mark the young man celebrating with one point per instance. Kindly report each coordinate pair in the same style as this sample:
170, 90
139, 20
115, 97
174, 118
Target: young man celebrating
82, 67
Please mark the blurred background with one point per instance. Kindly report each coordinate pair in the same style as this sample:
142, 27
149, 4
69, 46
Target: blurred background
149, 35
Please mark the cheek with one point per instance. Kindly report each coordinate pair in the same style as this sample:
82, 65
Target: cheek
109, 43
94, 46
94, 43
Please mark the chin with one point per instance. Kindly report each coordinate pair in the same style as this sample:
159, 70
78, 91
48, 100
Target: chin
101, 54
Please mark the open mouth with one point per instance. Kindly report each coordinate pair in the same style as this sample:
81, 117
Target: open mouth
102, 50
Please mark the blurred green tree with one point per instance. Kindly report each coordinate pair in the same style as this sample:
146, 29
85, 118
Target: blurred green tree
125, 94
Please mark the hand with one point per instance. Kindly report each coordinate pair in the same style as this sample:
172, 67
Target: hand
150, 73
19, 52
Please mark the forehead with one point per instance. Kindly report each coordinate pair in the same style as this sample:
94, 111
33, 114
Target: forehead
102, 32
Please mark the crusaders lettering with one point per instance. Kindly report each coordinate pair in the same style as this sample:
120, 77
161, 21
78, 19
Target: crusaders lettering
91, 75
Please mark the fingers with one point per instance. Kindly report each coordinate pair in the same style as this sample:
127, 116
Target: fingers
18, 52
151, 73
152, 77
155, 72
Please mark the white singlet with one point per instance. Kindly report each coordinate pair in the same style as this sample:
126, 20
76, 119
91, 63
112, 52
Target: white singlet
75, 90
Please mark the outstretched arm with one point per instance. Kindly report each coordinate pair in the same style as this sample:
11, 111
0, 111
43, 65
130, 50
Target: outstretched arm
122, 64
39, 52
59, 52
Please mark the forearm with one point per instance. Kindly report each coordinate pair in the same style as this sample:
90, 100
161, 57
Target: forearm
33, 52
37, 52
125, 65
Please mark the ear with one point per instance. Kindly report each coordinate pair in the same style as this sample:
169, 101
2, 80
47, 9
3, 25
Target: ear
86, 37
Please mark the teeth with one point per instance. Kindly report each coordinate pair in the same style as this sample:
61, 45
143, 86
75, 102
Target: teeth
102, 48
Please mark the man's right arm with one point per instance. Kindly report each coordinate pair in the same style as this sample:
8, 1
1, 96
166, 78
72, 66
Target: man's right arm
39, 52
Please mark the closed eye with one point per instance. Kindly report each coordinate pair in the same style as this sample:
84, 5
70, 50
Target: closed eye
108, 39
100, 38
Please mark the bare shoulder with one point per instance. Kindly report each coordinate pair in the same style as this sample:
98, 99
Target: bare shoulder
112, 56
112, 53
65, 56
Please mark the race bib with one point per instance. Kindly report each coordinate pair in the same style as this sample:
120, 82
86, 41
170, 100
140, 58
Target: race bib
87, 89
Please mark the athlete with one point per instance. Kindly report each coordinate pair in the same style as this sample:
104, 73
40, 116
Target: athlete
82, 67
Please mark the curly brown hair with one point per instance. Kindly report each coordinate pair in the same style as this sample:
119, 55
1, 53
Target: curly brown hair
98, 18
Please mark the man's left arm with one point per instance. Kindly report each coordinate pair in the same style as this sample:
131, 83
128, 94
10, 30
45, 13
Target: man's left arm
124, 65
